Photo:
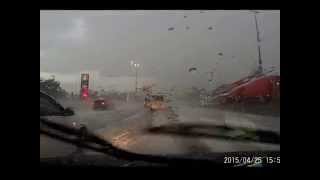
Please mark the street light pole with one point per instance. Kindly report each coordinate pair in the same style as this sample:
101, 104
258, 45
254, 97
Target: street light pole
136, 79
135, 66
258, 40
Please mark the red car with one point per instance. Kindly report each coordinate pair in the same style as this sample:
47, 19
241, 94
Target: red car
262, 87
102, 104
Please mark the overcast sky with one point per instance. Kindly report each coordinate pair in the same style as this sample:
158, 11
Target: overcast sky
104, 42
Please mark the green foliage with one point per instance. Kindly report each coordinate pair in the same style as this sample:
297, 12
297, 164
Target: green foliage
52, 88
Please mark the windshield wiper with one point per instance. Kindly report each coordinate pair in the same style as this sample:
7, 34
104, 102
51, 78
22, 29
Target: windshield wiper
218, 132
95, 143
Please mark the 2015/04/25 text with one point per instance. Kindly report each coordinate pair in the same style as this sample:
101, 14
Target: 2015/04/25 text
255, 160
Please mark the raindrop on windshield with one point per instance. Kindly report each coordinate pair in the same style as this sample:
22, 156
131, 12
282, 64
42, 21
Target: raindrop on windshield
192, 69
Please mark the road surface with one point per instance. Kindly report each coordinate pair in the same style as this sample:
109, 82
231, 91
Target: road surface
132, 127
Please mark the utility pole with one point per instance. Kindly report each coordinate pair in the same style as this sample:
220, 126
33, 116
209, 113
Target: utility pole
258, 40
211, 76
136, 80
92, 81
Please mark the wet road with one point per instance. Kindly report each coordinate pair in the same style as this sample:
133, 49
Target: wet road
130, 126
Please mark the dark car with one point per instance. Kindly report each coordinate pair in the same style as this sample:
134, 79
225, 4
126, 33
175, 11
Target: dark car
101, 104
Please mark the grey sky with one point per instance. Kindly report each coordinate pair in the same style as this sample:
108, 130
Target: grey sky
104, 42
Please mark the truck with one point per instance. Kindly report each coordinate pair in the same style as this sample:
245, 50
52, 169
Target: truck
261, 87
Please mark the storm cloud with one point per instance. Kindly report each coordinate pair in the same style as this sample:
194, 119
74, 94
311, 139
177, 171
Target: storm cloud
104, 43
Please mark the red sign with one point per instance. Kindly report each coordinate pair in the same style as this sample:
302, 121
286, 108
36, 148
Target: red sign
84, 87
85, 80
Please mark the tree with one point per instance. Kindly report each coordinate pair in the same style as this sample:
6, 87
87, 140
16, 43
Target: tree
52, 88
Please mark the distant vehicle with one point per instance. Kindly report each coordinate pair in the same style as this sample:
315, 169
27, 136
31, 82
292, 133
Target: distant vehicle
102, 104
155, 102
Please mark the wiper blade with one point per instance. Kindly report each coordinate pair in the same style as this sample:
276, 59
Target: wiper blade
95, 143
218, 131
60, 128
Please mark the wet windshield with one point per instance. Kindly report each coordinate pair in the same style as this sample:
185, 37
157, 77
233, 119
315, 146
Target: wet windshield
181, 82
